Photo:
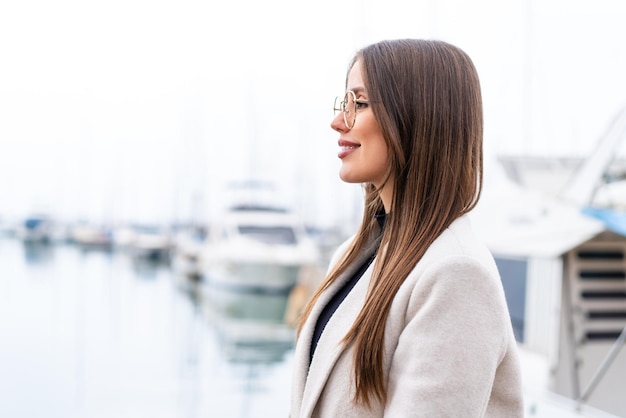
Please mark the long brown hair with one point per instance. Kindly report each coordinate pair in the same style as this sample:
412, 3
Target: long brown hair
425, 96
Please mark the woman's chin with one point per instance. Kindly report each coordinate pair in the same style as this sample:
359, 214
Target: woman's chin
347, 177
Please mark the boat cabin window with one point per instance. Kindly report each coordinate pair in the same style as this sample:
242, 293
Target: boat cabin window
269, 234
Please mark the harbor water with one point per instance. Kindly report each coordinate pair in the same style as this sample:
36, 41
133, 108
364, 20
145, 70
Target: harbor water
99, 333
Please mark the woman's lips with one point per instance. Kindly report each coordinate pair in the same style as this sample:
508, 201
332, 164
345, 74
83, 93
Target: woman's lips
347, 147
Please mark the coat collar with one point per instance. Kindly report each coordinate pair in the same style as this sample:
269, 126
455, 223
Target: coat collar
309, 381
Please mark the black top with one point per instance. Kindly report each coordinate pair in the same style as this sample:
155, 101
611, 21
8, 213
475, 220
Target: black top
341, 294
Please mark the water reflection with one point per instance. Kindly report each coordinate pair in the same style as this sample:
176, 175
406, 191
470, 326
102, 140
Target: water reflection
109, 335
249, 324
252, 337
148, 268
37, 252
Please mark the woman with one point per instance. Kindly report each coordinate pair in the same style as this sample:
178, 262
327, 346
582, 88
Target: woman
411, 320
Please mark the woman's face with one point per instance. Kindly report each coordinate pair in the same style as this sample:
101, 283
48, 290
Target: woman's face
363, 152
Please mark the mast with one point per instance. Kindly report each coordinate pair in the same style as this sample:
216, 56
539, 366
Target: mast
583, 186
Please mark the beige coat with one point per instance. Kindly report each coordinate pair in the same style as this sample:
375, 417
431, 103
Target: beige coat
449, 345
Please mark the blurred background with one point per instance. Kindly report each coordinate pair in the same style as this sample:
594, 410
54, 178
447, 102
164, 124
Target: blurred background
168, 179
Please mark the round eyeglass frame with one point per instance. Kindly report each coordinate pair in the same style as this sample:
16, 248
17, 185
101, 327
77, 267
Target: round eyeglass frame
347, 108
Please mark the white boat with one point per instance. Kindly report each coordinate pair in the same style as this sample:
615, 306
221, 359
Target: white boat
562, 261
89, 235
35, 229
257, 246
186, 249
149, 241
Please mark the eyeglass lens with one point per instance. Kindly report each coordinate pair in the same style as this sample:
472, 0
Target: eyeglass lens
348, 107
349, 113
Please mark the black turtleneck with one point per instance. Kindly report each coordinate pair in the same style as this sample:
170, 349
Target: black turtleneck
341, 294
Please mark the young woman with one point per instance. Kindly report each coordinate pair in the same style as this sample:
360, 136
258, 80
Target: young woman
411, 320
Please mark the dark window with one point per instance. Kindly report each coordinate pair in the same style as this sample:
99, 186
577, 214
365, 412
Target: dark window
514, 275
283, 235
601, 255
602, 274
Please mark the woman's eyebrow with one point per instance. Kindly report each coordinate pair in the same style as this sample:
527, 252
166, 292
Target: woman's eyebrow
359, 90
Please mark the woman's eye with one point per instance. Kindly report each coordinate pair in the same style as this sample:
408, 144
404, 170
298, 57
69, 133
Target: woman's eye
360, 104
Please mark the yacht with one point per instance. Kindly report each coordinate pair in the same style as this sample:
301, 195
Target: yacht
257, 246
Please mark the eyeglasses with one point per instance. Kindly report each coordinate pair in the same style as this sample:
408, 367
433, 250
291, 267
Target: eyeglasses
348, 106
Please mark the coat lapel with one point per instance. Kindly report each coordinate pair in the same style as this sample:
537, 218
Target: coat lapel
309, 381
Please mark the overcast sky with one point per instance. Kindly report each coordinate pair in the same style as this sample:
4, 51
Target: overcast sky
143, 110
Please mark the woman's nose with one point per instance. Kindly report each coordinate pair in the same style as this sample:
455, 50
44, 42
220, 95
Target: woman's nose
338, 123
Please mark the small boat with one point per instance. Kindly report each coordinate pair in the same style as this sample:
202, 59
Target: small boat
258, 246
36, 228
143, 241
152, 242
89, 235
186, 250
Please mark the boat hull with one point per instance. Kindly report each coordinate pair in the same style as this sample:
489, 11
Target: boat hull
257, 274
